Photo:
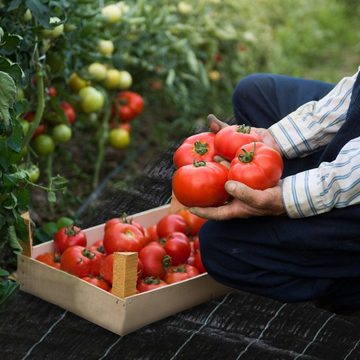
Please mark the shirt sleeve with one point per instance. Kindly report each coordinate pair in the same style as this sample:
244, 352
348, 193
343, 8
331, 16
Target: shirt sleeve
333, 184
315, 123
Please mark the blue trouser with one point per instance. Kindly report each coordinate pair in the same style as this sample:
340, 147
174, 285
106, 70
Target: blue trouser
288, 259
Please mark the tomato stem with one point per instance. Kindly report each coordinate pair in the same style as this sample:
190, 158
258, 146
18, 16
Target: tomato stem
244, 129
247, 156
200, 148
199, 163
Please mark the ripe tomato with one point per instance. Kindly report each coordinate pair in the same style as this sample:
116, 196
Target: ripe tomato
69, 236
51, 91
199, 147
193, 222
123, 220
177, 246
69, 111
180, 273
200, 184
256, 165
61, 133
150, 283
169, 224
129, 104
198, 262
123, 237
155, 260
97, 281
50, 258
229, 139
38, 131
76, 260
44, 145
119, 138
107, 267
151, 233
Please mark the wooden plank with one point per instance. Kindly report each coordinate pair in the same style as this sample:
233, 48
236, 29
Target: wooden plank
26, 244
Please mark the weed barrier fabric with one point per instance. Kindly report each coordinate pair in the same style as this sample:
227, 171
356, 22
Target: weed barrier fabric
236, 326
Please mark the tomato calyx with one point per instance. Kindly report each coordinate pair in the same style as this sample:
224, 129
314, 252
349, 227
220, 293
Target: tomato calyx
71, 230
201, 148
166, 262
178, 269
199, 163
57, 258
151, 280
247, 156
244, 129
89, 254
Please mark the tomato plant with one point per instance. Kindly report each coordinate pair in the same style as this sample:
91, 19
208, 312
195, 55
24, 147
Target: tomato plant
230, 138
200, 184
44, 145
256, 165
199, 147
69, 236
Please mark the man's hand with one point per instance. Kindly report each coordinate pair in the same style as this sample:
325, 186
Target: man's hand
246, 203
264, 134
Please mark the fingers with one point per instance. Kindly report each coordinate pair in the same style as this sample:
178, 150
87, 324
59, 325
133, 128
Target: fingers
222, 161
215, 124
245, 193
215, 213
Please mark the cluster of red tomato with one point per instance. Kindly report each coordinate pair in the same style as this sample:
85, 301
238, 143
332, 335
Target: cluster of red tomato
168, 251
199, 180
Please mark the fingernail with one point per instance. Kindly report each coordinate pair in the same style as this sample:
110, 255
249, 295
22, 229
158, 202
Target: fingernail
230, 186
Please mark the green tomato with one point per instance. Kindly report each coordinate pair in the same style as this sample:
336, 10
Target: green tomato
106, 47
34, 173
44, 145
97, 71
61, 133
119, 138
112, 13
112, 79
125, 80
56, 31
64, 222
25, 126
91, 99
27, 15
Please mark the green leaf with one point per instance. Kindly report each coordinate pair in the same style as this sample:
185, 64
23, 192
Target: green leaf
11, 42
7, 287
7, 96
14, 5
4, 272
51, 196
50, 228
40, 12
58, 182
13, 239
14, 70
16, 139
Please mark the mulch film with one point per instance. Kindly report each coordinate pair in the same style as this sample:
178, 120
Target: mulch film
236, 326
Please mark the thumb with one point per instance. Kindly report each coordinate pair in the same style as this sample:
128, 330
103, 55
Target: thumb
216, 124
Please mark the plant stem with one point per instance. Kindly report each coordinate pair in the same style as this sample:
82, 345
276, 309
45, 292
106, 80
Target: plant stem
49, 173
103, 136
40, 99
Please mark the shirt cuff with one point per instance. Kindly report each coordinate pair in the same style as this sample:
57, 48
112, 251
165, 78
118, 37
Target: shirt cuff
301, 194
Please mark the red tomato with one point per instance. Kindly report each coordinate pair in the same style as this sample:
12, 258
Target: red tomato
177, 246
155, 260
69, 112
193, 222
96, 260
140, 269
107, 267
129, 105
199, 147
196, 243
198, 262
169, 224
191, 258
256, 165
97, 281
230, 138
76, 260
150, 283
122, 220
50, 258
179, 273
200, 184
151, 233
51, 91
123, 237
29, 116
69, 236
41, 129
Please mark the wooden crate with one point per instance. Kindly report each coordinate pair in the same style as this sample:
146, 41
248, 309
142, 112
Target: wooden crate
122, 311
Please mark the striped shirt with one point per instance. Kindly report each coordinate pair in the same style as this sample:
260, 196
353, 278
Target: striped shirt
333, 184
